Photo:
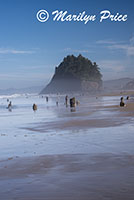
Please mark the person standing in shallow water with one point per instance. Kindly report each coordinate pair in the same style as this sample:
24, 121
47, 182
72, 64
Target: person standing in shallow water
66, 100
10, 105
46, 98
127, 98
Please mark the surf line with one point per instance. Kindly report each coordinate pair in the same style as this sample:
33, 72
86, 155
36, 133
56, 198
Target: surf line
63, 16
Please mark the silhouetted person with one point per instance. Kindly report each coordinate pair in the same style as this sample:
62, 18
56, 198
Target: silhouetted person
46, 98
66, 100
34, 107
10, 105
127, 97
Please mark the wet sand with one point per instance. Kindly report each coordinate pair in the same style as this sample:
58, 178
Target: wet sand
68, 177
87, 176
118, 116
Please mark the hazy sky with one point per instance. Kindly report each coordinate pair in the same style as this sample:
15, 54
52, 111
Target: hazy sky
30, 50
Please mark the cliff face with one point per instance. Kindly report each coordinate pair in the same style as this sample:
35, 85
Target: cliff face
75, 74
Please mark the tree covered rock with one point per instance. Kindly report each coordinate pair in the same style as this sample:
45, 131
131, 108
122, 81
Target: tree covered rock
75, 74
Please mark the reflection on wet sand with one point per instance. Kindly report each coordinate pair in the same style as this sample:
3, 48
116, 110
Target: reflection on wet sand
61, 154
63, 177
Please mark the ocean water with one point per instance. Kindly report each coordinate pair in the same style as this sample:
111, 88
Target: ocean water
17, 138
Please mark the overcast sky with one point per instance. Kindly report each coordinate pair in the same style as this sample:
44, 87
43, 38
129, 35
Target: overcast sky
30, 49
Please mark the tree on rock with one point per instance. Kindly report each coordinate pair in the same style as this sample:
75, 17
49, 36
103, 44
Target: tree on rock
75, 74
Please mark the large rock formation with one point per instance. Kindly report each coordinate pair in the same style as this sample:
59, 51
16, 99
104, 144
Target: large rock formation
75, 74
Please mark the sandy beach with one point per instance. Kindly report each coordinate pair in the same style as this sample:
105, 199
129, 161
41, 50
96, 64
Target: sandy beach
63, 177
121, 115
56, 154
66, 100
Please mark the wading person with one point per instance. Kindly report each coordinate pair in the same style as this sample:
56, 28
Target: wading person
66, 100
46, 98
10, 105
